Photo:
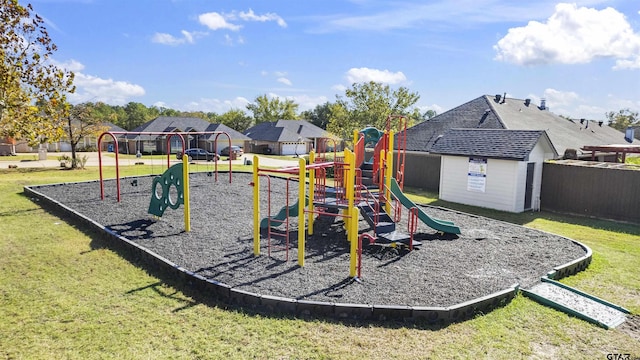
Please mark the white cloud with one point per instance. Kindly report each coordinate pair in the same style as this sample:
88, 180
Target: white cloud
360, 75
572, 35
558, 98
339, 87
168, 39
93, 88
435, 107
251, 16
215, 105
220, 21
71, 65
284, 80
217, 21
307, 102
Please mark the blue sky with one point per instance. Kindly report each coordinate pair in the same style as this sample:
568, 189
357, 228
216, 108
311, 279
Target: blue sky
214, 55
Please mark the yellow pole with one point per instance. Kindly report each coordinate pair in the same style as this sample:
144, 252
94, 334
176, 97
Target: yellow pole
389, 172
352, 213
256, 208
353, 253
312, 184
185, 189
301, 221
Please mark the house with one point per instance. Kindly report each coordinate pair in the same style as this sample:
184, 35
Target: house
499, 112
9, 146
493, 168
288, 137
153, 142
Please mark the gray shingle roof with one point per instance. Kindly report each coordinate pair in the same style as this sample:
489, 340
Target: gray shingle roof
485, 112
303, 128
184, 124
471, 115
270, 131
490, 143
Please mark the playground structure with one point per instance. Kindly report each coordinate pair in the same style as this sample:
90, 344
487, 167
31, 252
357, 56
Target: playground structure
360, 186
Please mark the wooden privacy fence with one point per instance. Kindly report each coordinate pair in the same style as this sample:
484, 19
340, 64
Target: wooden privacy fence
600, 192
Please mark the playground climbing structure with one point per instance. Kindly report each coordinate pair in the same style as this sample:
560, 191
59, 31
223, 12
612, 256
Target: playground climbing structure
345, 195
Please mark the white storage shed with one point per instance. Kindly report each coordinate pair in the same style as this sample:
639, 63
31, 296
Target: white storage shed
493, 168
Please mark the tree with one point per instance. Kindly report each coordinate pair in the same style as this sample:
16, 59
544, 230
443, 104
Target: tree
236, 119
319, 116
369, 104
265, 109
137, 114
81, 123
32, 89
622, 119
429, 114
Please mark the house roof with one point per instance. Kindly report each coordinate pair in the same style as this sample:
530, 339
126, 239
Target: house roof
490, 143
470, 115
487, 112
184, 124
303, 128
270, 131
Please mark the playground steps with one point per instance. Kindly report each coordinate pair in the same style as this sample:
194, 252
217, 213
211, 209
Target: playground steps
577, 303
385, 223
367, 174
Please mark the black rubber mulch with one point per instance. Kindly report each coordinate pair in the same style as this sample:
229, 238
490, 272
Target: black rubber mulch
489, 256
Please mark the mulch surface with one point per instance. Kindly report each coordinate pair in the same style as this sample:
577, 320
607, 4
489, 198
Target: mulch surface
488, 256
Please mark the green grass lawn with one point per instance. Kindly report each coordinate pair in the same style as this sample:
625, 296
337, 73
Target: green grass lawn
66, 294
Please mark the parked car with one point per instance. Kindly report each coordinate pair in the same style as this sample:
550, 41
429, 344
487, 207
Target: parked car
198, 154
237, 150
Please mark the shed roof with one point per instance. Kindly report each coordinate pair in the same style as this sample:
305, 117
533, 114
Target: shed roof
489, 143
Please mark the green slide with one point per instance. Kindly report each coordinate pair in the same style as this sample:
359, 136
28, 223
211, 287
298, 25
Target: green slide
281, 216
437, 224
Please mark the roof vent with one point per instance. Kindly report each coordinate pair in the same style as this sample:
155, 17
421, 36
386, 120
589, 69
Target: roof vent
543, 104
582, 121
504, 98
600, 123
498, 97
527, 102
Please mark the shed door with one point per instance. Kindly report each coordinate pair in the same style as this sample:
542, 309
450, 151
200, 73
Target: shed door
528, 194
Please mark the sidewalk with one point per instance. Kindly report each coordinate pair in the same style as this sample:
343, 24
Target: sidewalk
108, 159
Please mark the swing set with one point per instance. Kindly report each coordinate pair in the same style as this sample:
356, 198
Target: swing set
181, 136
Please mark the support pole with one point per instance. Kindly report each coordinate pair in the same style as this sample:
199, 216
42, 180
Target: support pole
185, 191
256, 208
388, 171
312, 184
301, 231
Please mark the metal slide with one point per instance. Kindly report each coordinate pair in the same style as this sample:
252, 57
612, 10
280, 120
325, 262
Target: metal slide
436, 224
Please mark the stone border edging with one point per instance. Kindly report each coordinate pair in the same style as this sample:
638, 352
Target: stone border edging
265, 303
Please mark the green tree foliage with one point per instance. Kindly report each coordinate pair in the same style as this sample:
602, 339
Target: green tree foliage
429, 114
236, 119
137, 114
369, 104
622, 119
81, 123
319, 116
265, 109
32, 89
